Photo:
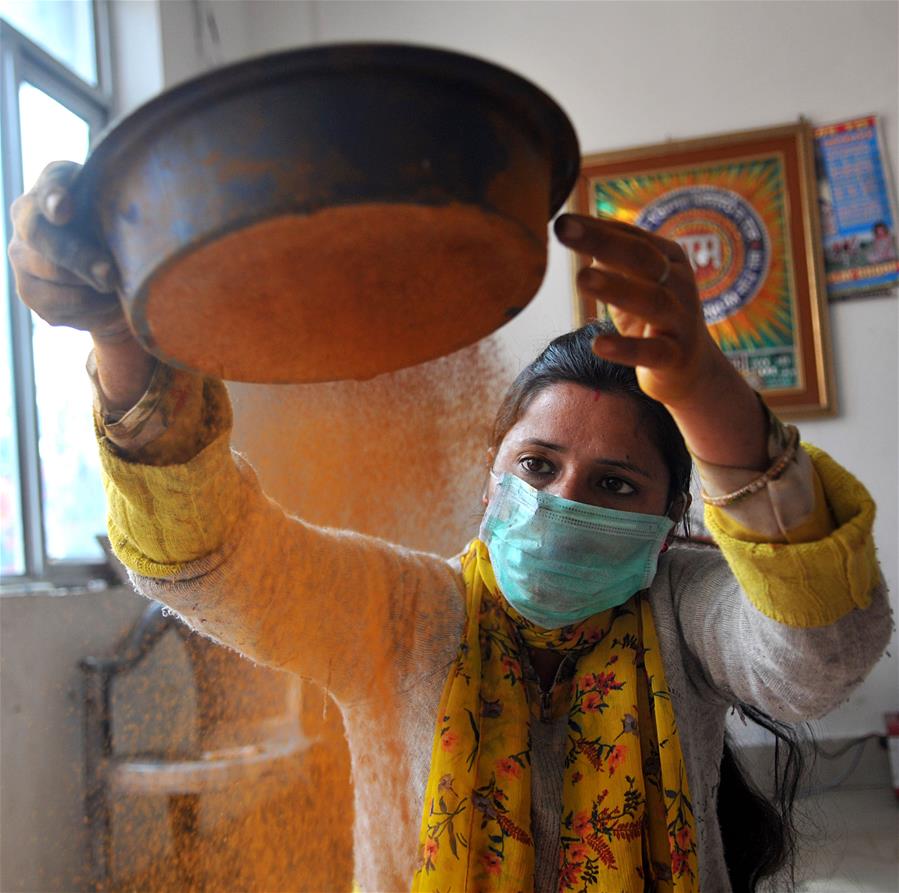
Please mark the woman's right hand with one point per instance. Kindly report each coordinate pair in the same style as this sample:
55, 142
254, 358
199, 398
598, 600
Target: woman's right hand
64, 278
69, 280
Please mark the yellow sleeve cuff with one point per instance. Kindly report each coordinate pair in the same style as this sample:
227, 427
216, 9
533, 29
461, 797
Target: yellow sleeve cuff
162, 516
809, 582
815, 526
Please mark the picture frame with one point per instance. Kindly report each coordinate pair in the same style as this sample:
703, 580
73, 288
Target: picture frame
858, 209
744, 206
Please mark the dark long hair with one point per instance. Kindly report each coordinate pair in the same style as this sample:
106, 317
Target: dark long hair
759, 834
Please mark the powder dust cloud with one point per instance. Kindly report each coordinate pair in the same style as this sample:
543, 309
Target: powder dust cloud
232, 804
401, 456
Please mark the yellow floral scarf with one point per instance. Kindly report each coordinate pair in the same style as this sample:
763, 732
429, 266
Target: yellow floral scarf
627, 822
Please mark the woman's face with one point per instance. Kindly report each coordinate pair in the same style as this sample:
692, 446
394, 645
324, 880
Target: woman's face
586, 446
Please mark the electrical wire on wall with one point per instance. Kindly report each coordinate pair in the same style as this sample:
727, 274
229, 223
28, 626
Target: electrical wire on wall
207, 37
858, 746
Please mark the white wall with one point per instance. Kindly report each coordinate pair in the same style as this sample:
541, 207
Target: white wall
136, 52
630, 73
42, 638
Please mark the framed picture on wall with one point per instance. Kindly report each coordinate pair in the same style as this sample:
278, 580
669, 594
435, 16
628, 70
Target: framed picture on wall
858, 209
744, 207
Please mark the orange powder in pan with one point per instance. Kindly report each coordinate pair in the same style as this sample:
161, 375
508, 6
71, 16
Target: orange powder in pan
345, 293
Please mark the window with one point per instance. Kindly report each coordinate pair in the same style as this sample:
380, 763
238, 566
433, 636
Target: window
54, 100
64, 28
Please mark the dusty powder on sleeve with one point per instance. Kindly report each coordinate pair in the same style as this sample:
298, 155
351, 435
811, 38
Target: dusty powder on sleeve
402, 456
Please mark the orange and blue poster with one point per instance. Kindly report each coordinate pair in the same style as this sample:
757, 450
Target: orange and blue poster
730, 221
742, 209
858, 219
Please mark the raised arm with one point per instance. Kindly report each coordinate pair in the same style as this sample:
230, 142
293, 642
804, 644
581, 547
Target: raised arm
648, 285
799, 614
349, 611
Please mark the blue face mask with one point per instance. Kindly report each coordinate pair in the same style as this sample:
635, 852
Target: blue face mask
558, 562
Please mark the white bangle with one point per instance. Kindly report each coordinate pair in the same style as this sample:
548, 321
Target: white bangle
772, 474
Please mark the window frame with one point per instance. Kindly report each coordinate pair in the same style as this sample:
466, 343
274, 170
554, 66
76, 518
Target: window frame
23, 61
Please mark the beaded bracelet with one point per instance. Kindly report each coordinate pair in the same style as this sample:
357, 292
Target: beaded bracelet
772, 474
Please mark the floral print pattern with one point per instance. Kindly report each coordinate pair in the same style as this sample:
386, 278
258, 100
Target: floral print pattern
626, 821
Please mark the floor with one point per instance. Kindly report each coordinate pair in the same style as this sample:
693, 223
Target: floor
851, 842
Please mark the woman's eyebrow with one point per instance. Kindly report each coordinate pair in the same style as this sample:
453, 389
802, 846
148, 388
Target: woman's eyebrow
600, 460
535, 441
623, 464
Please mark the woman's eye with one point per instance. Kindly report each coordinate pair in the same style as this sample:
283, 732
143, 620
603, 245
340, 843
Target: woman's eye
617, 485
536, 465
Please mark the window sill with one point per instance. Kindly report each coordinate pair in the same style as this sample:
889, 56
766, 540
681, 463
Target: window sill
25, 588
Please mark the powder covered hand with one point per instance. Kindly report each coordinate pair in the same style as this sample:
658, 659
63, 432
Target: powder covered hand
65, 278
648, 285
69, 280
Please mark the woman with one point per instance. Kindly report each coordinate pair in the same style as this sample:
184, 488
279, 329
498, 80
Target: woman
545, 711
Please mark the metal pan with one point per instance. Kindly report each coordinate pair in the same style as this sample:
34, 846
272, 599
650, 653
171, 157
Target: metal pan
333, 212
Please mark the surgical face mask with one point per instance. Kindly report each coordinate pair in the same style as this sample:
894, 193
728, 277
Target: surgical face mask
558, 562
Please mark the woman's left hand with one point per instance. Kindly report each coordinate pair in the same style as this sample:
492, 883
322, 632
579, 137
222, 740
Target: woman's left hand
648, 285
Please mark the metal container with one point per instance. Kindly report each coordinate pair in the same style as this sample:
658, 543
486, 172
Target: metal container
333, 212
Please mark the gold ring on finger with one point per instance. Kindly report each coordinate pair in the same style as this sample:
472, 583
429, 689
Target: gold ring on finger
666, 272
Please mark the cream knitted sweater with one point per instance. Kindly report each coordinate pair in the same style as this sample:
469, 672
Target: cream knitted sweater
362, 616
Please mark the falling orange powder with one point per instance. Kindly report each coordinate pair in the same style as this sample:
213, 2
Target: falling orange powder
402, 456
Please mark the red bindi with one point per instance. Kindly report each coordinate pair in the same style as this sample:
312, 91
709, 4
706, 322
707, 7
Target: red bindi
596, 395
